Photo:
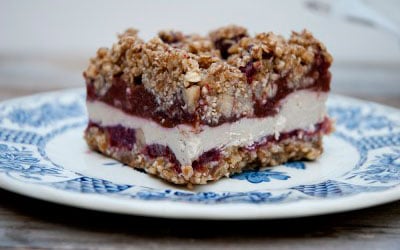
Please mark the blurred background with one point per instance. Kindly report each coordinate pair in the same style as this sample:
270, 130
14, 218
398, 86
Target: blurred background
45, 45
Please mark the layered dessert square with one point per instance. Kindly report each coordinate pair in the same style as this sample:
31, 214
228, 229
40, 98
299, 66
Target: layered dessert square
191, 109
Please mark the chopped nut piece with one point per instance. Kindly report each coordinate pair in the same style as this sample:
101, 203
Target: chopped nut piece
191, 97
226, 105
192, 77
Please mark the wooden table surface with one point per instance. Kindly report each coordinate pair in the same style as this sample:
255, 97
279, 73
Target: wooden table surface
26, 223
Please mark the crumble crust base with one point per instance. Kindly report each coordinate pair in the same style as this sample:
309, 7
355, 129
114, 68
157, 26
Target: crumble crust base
234, 159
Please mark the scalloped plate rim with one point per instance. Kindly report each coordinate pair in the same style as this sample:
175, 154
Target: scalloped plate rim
176, 210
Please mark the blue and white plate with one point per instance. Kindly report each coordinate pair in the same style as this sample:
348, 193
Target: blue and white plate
43, 155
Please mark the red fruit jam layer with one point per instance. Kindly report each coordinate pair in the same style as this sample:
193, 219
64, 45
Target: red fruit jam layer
125, 139
134, 99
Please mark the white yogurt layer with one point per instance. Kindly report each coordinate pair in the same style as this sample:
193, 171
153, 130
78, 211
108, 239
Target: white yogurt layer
299, 110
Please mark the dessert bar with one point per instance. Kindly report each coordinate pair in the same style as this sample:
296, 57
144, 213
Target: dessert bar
191, 109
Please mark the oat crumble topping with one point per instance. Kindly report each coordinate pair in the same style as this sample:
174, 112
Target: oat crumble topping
218, 76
